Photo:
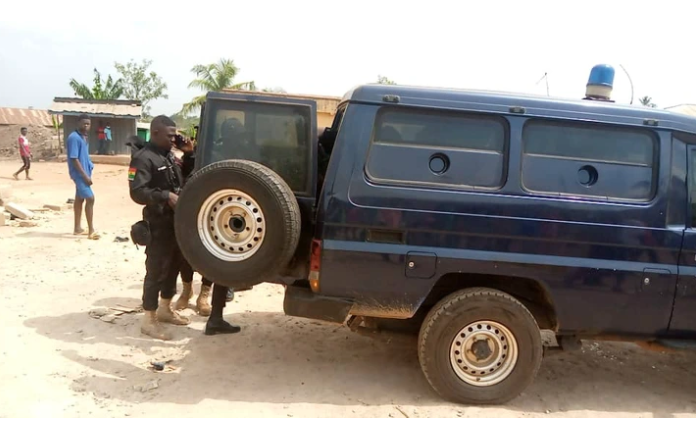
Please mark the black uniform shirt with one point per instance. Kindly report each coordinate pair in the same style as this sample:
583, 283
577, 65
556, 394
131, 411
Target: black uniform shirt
152, 175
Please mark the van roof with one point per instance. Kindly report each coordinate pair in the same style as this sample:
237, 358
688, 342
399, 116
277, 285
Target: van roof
526, 104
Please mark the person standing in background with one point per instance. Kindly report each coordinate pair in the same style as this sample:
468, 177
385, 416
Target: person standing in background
25, 153
80, 167
107, 135
101, 136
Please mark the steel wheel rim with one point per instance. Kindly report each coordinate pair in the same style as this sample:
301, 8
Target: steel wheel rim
484, 353
231, 225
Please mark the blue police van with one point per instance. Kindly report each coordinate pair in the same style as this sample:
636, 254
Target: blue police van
482, 218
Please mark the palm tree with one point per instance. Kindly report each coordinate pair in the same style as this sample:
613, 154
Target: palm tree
214, 78
384, 80
647, 101
109, 89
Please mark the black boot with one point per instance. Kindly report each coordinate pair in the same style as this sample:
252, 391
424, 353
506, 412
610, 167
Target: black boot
220, 326
216, 324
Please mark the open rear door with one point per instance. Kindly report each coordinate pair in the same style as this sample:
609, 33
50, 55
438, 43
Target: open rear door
276, 130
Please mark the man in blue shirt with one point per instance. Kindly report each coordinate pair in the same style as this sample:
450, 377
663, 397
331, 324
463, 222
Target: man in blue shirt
107, 134
80, 167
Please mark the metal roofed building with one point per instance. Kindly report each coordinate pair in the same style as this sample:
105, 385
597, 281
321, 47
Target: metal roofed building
25, 117
122, 115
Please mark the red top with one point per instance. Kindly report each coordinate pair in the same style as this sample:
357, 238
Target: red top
100, 133
24, 149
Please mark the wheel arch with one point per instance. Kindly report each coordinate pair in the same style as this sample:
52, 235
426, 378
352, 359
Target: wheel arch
533, 294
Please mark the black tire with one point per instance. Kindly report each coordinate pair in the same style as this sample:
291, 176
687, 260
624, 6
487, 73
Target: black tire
275, 199
452, 314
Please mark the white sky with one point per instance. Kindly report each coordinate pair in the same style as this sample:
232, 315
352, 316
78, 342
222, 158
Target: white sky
327, 47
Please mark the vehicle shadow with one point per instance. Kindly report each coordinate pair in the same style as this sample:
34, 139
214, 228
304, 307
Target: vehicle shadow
278, 359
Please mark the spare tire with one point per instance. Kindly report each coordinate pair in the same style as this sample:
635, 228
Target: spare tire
237, 223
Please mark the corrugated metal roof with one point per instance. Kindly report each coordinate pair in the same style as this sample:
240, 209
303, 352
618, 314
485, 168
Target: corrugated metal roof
111, 108
688, 109
25, 116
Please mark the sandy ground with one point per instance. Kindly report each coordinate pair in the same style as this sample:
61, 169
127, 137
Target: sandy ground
56, 360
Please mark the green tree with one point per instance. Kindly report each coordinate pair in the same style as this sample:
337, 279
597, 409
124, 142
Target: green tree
214, 78
108, 89
384, 80
140, 84
647, 101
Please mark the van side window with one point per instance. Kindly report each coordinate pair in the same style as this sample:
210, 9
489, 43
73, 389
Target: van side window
589, 160
438, 149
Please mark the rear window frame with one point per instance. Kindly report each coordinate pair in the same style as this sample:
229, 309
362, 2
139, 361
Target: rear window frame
214, 105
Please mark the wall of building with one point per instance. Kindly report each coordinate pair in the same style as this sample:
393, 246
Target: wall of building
121, 129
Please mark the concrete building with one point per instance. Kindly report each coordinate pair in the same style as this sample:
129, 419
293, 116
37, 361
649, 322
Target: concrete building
326, 105
121, 115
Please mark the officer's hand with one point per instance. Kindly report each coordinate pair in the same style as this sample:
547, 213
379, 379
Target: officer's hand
88, 181
186, 146
173, 198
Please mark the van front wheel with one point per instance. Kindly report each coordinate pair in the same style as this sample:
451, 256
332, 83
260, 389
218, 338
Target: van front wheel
480, 346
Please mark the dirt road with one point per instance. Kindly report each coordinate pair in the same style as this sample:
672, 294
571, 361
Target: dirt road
57, 360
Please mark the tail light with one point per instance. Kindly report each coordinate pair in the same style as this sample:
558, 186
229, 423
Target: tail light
315, 265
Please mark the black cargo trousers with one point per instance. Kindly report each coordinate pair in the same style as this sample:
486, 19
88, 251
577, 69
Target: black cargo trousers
162, 263
187, 274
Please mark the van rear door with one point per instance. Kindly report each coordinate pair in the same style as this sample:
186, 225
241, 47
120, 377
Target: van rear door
276, 130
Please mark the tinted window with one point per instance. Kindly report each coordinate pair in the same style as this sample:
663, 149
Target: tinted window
276, 136
438, 149
588, 160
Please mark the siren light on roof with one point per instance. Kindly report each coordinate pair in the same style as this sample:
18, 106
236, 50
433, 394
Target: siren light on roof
600, 83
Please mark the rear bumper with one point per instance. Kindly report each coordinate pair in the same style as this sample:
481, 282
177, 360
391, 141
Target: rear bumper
302, 302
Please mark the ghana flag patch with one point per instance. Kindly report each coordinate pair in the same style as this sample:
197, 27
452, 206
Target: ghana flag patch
131, 173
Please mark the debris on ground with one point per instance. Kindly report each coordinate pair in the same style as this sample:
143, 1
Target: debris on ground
53, 207
27, 224
19, 211
109, 315
147, 387
121, 239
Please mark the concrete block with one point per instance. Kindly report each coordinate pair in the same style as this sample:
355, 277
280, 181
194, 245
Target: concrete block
54, 207
5, 194
27, 224
19, 211
4, 219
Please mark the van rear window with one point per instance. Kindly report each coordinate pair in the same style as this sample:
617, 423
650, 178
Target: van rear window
589, 160
276, 136
438, 148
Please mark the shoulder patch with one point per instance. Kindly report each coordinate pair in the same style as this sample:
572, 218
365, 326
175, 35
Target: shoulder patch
131, 173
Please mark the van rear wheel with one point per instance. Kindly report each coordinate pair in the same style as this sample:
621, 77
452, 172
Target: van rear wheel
237, 223
480, 346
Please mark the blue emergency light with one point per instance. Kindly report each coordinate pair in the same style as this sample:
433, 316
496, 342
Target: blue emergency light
600, 83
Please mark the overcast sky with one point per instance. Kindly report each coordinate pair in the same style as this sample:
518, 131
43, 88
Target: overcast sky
327, 47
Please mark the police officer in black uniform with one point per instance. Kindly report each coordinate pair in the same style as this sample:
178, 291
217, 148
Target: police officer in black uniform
155, 181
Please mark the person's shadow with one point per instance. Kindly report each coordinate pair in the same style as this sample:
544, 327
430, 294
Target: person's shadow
279, 359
